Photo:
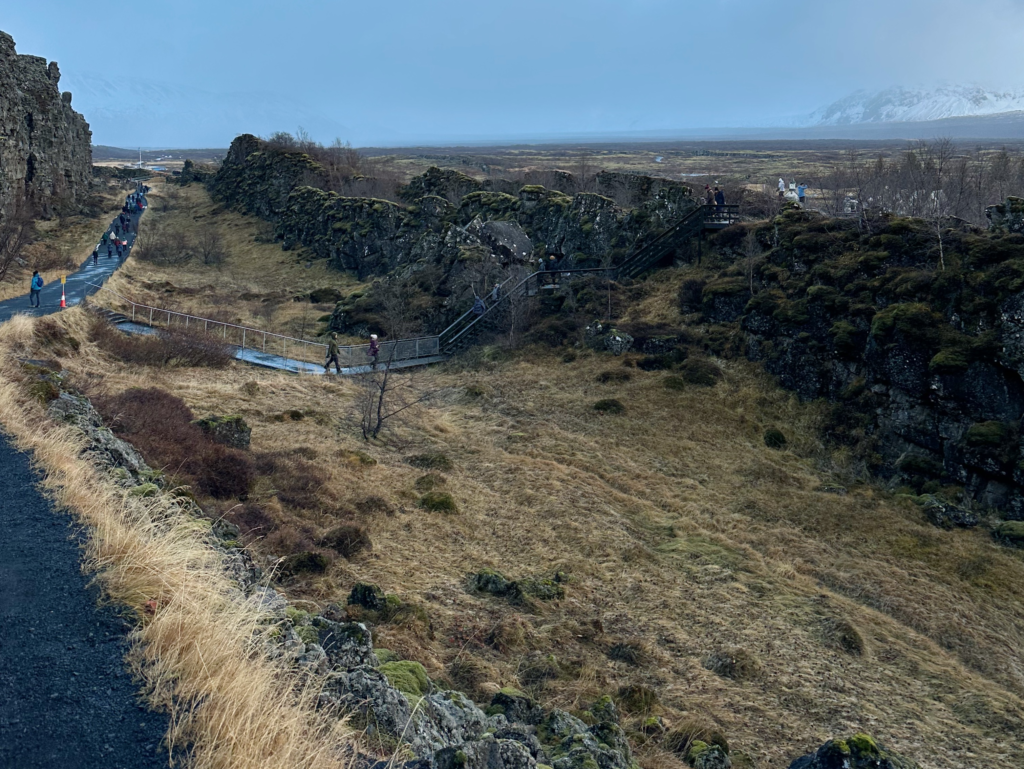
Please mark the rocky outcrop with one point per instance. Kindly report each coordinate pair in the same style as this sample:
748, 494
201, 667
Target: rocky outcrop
445, 212
922, 360
1007, 216
858, 752
46, 152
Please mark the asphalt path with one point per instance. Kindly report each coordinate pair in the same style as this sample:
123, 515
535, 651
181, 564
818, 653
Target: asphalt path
66, 699
79, 284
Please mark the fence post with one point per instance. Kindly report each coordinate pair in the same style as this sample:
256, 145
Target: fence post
151, 316
417, 347
264, 341
243, 338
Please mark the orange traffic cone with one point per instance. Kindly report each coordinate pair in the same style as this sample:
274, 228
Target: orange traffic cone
63, 299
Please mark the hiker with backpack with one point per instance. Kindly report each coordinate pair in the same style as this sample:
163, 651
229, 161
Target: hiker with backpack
34, 287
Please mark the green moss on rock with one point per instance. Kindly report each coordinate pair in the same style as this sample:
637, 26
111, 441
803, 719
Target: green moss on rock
408, 677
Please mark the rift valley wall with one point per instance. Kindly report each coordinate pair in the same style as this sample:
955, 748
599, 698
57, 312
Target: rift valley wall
45, 146
445, 217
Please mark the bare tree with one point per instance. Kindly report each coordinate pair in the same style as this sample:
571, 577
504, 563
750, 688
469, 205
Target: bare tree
584, 171
751, 256
384, 394
210, 247
15, 233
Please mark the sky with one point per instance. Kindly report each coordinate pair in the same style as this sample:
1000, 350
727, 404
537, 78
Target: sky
409, 71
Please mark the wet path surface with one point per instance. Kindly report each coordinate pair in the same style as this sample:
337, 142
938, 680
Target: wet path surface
65, 697
281, 363
78, 283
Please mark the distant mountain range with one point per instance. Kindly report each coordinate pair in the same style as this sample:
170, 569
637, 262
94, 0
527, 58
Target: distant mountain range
905, 105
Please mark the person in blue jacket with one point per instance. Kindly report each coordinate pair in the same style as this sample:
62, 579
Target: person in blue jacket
34, 288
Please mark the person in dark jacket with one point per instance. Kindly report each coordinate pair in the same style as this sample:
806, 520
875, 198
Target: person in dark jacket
332, 355
479, 308
719, 201
34, 287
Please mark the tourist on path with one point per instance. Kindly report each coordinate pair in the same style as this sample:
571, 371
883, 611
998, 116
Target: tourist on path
494, 293
479, 308
709, 196
782, 187
34, 287
801, 193
96, 255
719, 200
374, 350
332, 355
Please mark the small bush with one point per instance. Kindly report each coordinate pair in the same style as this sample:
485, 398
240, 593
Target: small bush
610, 406
431, 460
842, 634
673, 383
613, 376
429, 482
774, 439
737, 664
700, 372
347, 540
160, 425
166, 348
251, 388
630, 653
438, 502
302, 563
637, 700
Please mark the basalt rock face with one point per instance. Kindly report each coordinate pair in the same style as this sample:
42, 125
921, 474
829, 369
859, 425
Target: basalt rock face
46, 153
444, 213
919, 351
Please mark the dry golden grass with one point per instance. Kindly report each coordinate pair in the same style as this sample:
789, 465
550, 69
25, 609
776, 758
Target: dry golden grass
199, 653
257, 285
683, 534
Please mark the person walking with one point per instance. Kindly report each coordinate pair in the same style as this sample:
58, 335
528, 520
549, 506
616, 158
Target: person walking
96, 255
479, 308
782, 187
494, 293
801, 193
34, 287
110, 249
374, 350
332, 355
553, 269
709, 196
719, 201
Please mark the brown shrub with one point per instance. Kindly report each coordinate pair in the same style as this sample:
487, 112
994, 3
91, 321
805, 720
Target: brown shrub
252, 520
296, 480
347, 540
168, 347
160, 426
374, 504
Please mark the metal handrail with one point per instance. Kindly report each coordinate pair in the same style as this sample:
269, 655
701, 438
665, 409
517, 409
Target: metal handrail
425, 346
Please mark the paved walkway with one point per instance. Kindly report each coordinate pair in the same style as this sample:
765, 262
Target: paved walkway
78, 283
66, 699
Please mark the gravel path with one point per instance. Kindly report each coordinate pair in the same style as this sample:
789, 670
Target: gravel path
65, 697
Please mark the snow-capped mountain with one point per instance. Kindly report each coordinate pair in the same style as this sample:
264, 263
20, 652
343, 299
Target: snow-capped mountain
904, 105
134, 113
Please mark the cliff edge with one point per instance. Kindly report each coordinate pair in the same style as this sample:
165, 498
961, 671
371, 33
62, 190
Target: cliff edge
45, 146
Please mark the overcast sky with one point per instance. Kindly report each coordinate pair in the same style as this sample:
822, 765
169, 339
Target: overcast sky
422, 69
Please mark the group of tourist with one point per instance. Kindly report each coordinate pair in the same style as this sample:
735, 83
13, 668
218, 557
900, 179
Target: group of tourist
800, 190
113, 241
